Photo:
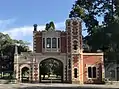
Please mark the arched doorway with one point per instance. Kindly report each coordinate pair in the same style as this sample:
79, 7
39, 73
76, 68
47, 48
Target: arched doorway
25, 74
51, 70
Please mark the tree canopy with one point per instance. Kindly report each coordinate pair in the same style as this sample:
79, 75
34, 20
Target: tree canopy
101, 19
7, 49
50, 25
7, 45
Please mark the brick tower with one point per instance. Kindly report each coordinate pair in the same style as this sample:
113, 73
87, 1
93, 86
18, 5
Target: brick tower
74, 36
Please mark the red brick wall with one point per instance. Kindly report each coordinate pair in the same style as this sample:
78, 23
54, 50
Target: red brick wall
38, 37
63, 42
92, 60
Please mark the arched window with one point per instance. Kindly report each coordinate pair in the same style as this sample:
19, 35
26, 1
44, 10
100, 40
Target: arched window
48, 43
75, 44
54, 42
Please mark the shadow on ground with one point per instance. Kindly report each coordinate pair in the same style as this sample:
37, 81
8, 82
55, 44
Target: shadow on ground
40, 87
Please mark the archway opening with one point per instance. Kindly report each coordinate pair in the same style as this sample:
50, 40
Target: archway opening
25, 74
51, 71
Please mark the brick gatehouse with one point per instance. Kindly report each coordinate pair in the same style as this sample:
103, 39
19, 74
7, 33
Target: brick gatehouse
66, 47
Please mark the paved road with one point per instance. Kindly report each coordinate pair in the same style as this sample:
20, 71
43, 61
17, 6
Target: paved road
56, 86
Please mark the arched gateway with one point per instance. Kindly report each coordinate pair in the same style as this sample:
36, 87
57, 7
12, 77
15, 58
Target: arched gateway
51, 70
58, 57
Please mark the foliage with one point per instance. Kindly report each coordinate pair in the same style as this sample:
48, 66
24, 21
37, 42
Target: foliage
7, 48
103, 34
49, 25
50, 66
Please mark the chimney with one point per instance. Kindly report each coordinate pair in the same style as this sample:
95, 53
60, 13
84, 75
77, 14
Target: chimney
35, 27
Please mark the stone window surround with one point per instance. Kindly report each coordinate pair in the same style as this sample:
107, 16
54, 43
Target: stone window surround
57, 44
91, 71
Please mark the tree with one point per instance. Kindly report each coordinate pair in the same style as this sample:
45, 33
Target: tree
49, 25
100, 36
52, 25
50, 66
87, 11
7, 48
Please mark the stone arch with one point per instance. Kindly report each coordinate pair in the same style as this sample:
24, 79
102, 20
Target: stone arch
57, 59
75, 40
53, 57
25, 66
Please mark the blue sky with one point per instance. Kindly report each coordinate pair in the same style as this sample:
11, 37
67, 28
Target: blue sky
18, 16
28, 12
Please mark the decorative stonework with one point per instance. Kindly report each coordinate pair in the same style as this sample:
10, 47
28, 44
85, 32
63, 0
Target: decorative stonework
36, 71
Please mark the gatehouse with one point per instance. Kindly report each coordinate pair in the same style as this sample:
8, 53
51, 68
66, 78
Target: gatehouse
58, 57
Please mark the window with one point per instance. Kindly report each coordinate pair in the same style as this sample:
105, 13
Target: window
94, 72
43, 42
75, 45
75, 72
58, 42
54, 42
68, 23
91, 72
48, 45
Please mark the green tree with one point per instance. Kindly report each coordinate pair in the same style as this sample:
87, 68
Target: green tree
44, 69
52, 25
50, 65
100, 36
87, 11
49, 25
7, 49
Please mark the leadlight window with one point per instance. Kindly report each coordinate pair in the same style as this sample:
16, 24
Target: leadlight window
54, 42
48, 44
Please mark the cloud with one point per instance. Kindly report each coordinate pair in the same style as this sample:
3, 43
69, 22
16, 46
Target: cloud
5, 23
60, 25
21, 32
25, 33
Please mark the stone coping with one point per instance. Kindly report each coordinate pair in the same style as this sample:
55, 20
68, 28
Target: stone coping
93, 54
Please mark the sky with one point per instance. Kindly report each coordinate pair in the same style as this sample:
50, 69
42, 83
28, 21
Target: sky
18, 16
